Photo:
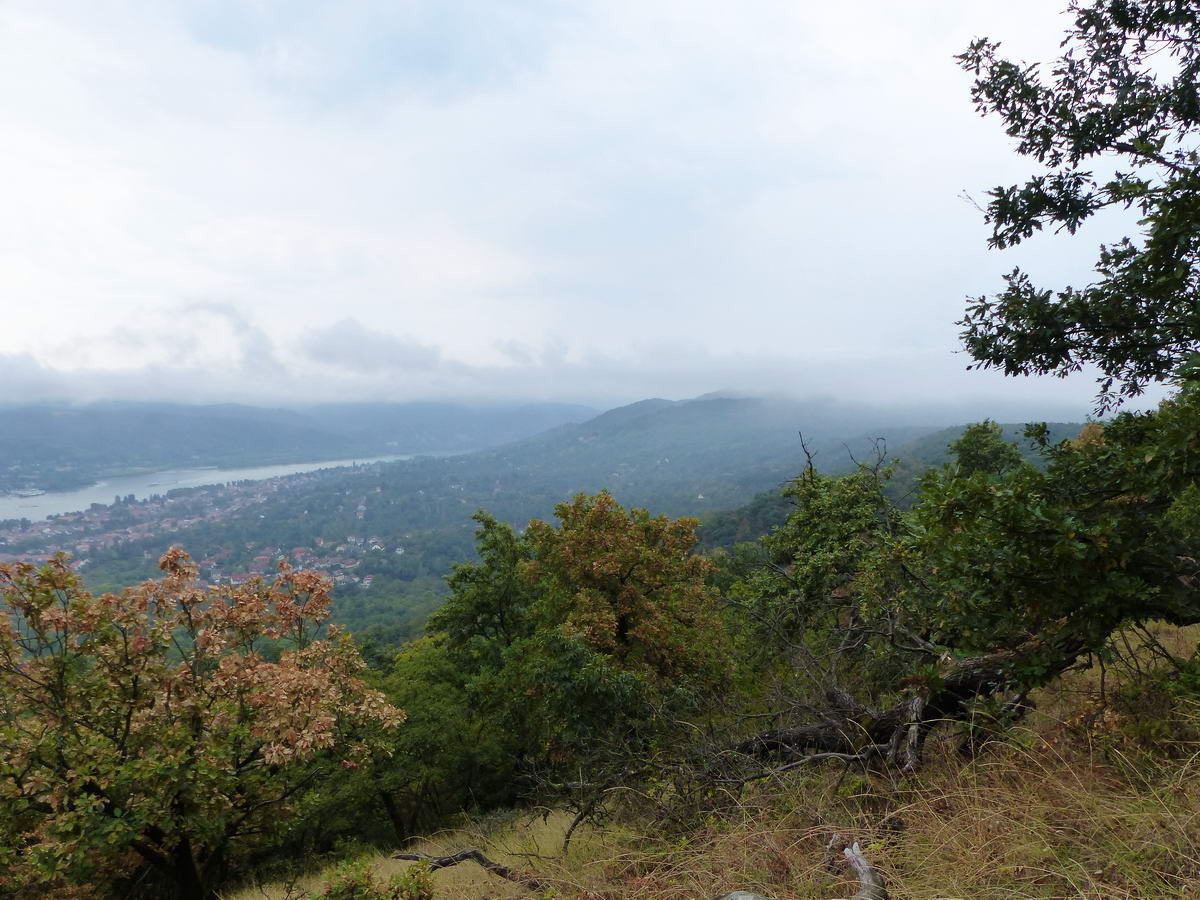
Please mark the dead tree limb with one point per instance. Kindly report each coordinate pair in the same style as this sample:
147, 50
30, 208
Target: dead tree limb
525, 879
842, 725
873, 887
584, 811
871, 884
875, 751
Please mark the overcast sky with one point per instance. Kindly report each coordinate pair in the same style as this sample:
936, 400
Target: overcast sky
284, 200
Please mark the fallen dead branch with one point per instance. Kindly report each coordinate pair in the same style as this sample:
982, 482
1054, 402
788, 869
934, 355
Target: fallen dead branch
525, 879
871, 884
841, 726
873, 887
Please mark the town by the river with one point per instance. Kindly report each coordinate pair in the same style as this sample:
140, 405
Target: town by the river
148, 484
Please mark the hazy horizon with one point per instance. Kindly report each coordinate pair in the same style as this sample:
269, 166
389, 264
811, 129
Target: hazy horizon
937, 412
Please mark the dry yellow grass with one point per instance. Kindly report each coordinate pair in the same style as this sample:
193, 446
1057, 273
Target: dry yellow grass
1021, 822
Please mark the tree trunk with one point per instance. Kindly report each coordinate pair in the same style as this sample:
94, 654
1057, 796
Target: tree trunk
187, 874
393, 814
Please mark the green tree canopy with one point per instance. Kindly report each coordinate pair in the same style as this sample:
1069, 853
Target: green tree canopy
1104, 536
1124, 91
981, 448
577, 634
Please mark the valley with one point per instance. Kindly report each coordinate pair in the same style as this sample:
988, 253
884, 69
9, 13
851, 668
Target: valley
387, 531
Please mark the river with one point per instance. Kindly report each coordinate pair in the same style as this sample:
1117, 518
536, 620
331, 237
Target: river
150, 483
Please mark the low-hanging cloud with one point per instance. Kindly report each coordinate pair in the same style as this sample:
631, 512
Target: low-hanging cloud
256, 351
349, 362
350, 345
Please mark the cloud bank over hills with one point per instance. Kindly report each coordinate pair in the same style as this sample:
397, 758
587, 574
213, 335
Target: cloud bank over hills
349, 362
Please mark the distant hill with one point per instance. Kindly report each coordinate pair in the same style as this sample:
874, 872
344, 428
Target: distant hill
677, 457
688, 456
685, 457
58, 447
770, 508
420, 427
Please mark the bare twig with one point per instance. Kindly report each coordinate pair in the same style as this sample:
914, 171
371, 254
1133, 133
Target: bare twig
874, 751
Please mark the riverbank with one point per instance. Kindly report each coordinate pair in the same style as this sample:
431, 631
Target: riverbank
146, 484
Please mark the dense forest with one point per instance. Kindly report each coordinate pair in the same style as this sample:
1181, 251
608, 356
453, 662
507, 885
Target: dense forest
969, 672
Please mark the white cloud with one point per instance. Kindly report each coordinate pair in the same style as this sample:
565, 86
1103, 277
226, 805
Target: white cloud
351, 346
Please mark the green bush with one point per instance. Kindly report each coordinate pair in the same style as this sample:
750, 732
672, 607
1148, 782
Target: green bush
355, 881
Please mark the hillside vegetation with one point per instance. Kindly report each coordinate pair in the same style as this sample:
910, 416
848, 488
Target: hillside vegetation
909, 460
1094, 795
598, 666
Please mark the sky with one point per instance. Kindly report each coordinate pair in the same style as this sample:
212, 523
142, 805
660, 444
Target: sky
284, 201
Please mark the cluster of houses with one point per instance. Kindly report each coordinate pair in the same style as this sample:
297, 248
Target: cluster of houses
338, 562
105, 527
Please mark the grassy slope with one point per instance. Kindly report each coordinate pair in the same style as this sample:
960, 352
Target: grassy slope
1087, 799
